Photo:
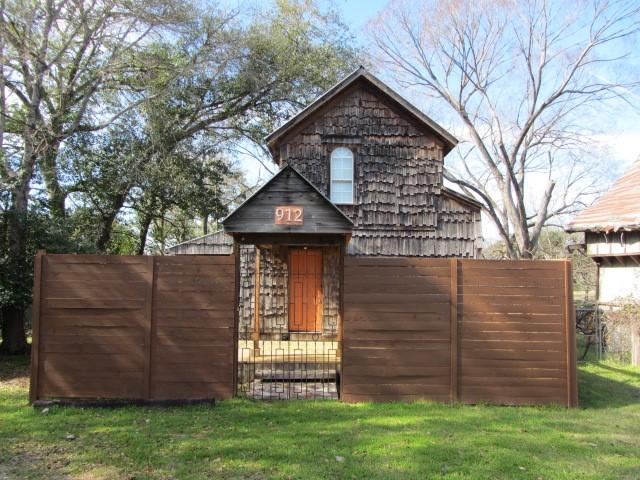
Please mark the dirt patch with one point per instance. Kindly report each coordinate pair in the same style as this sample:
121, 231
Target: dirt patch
32, 465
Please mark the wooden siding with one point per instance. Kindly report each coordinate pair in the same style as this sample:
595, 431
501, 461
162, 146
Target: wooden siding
287, 187
216, 243
467, 330
274, 280
400, 208
133, 327
623, 243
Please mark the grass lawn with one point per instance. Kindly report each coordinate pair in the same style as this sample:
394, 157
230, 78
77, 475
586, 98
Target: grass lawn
325, 439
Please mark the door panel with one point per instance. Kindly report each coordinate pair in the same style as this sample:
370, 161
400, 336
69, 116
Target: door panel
305, 290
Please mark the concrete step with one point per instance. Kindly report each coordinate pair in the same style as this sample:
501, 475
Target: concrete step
295, 375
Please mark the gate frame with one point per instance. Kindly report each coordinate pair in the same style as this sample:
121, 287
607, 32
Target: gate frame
292, 240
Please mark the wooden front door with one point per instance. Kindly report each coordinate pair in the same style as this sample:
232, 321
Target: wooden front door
305, 290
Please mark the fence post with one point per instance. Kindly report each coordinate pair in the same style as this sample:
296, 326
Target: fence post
35, 326
453, 322
236, 316
148, 321
570, 322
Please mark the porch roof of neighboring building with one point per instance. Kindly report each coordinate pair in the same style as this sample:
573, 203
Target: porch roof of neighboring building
618, 209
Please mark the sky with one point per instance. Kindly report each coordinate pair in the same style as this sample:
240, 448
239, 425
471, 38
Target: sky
620, 123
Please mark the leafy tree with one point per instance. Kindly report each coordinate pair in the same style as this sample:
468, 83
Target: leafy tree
125, 115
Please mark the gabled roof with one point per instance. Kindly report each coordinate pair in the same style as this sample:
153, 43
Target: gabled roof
617, 209
360, 73
344, 221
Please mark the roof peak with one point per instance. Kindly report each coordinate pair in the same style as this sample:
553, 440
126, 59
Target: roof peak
361, 72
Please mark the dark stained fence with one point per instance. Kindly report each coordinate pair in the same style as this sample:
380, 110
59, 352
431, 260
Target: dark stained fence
193, 327
458, 330
119, 327
396, 340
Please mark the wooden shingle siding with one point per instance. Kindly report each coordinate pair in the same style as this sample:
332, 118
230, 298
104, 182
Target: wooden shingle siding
399, 206
274, 280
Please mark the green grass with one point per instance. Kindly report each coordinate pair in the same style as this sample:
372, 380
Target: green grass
298, 439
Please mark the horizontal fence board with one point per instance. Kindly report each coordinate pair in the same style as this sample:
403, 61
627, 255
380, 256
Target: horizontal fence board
413, 298
480, 327
398, 389
512, 371
530, 390
127, 362
397, 335
510, 329
355, 398
394, 371
353, 262
502, 381
395, 274
399, 308
391, 318
507, 308
434, 324
507, 291
180, 390
110, 389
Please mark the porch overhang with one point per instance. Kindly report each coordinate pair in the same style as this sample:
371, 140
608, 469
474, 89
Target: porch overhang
289, 210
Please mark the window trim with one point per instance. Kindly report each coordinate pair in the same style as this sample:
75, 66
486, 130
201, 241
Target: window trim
352, 180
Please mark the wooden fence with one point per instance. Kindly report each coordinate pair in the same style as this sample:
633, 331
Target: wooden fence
154, 328
145, 328
458, 330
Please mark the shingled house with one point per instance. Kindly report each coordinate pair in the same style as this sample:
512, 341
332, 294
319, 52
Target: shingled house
361, 173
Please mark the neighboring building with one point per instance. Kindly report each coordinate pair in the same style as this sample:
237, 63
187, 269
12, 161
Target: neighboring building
611, 229
366, 168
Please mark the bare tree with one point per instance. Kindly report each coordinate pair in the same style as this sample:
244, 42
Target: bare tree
521, 77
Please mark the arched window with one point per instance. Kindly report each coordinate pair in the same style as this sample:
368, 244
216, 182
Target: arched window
341, 188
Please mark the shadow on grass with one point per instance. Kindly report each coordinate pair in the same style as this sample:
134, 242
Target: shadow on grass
13, 366
621, 371
603, 390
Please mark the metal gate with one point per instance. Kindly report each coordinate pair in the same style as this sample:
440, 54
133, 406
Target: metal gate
286, 365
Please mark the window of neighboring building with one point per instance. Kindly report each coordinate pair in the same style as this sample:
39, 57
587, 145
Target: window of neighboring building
342, 176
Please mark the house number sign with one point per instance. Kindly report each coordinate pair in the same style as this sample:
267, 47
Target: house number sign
289, 215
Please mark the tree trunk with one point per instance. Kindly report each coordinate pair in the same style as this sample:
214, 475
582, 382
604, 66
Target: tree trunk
105, 232
205, 223
144, 231
107, 221
56, 194
14, 341
635, 346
